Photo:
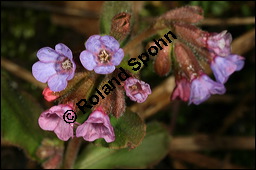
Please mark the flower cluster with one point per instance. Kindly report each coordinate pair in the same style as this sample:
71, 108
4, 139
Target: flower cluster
57, 68
192, 83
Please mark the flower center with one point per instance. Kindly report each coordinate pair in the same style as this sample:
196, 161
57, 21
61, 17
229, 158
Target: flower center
135, 87
104, 56
66, 64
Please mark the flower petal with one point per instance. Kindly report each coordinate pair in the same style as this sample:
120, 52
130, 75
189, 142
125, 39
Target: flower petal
48, 120
64, 50
87, 60
118, 57
58, 82
63, 130
93, 44
43, 71
222, 68
47, 54
238, 60
110, 42
203, 87
104, 69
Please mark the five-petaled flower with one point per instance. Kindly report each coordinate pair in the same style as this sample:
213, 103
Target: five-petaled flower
137, 90
52, 120
96, 126
55, 67
102, 54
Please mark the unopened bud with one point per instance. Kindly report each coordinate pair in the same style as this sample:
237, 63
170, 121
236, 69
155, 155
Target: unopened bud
162, 64
50, 95
188, 14
191, 34
120, 26
186, 60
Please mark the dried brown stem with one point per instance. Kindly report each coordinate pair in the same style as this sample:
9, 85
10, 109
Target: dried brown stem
229, 21
20, 72
204, 142
203, 161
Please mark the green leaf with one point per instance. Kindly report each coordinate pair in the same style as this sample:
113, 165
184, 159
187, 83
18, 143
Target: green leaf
153, 149
129, 131
110, 9
19, 119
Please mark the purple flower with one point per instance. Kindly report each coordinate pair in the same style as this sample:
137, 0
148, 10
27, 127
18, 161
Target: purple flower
52, 120
55, 67
96, 126
102, 54
182, 90
220, 43
223, 67
236, 59
203, 87
137, 90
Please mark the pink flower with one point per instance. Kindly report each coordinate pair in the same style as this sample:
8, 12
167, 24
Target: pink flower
52, 120
137, 90
49, 95
182, 89
96, 126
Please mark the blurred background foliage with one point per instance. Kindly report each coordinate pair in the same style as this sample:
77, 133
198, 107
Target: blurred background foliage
28, 26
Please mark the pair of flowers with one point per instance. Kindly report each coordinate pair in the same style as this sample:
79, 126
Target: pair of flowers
57, 66
96, 126
216, 48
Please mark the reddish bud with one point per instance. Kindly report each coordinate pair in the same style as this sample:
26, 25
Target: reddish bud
189, 14
50, 95
186, 60
120, 26
190, 34
162, 64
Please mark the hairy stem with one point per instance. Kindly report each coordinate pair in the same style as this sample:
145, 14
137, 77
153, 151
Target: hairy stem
71, 152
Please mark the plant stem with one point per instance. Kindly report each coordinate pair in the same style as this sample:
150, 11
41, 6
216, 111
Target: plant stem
71, 152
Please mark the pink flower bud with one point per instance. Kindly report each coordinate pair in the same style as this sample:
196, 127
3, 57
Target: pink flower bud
49, 95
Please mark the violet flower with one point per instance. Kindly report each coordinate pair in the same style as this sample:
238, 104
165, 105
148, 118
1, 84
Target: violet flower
137, 90
223, 67
236, 59
203, 87
220, 43
182, 90
52, 120
102, 54
96, 126
55, 67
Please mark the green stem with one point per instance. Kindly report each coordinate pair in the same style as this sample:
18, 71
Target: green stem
71, 152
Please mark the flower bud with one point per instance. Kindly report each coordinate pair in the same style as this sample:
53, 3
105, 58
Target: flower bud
120, 26
50, 95
162, 64
191, 34
189, 14
186, 60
